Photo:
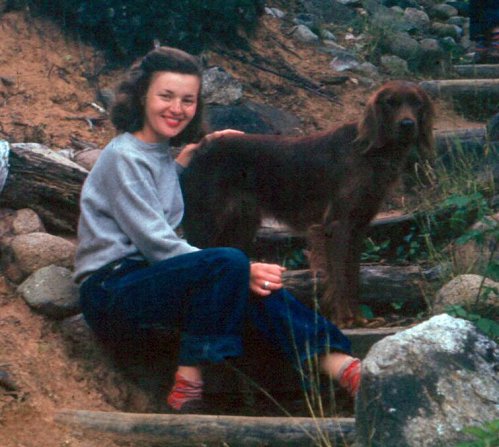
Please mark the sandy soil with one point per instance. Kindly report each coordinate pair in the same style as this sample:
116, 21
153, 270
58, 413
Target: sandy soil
48, 83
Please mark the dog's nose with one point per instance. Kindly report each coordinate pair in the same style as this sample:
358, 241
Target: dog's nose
407, 123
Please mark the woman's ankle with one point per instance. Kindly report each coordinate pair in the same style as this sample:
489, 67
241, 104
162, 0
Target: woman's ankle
188, 387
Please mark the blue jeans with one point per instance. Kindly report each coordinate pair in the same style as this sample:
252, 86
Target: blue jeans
206, 296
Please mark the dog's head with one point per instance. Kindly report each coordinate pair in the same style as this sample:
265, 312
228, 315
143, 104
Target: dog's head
398, 113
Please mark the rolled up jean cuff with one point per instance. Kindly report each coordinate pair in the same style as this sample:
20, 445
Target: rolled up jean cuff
199, 349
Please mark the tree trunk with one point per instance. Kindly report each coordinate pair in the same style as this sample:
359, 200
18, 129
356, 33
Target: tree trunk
46, 182
214, 430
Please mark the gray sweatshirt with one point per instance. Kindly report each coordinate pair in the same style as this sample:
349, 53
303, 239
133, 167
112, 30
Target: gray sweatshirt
130, 203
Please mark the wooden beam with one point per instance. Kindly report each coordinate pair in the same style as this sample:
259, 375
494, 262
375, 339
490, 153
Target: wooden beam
214, 430
458, 87
478, 71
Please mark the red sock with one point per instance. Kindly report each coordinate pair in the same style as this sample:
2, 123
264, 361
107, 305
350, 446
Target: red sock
349, 376
183, 391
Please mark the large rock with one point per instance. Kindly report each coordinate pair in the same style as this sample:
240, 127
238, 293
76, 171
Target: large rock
24, 254
423, 386
51, 292
251, 117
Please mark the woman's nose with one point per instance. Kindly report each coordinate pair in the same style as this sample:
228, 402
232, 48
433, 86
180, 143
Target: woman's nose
176, 106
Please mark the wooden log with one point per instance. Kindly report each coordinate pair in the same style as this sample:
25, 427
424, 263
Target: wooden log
214, 430
458, 87
477, 71
382, 287
475, 98
46, 182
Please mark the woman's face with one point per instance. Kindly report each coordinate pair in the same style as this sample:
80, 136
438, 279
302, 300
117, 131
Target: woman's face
170, 104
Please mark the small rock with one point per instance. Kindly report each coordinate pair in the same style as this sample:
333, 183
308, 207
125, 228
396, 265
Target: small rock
344, 62
305, 34
368, 69
219, 87
443, 11
275, 12
446, 30
51, 292
6, 381
308, 20
404, 46
418, 18
87, 158
394, 65
106, 97
18, 222
328, 35
27, 221
458, 21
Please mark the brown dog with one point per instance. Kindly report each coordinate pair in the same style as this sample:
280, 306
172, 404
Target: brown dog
332, 183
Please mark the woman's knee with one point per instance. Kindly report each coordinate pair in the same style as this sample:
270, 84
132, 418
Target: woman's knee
232, 258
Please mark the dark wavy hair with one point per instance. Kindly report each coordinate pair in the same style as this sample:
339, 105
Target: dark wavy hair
127, 111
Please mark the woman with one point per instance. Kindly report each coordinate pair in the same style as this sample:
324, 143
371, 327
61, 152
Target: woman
137, 275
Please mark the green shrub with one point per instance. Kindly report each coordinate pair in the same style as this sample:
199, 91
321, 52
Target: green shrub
127, 28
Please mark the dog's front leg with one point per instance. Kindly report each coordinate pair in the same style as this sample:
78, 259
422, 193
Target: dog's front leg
339, 299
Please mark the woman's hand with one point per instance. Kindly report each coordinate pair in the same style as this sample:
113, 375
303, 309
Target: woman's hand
265, 278
187, 152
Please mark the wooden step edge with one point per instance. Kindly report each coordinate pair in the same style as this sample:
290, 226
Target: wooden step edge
209, 429
477, 71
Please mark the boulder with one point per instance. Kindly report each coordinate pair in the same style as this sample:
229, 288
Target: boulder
252, 117
24, 254
423, 386
464, 290
51, 292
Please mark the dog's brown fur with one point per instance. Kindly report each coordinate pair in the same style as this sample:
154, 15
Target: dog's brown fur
332, 183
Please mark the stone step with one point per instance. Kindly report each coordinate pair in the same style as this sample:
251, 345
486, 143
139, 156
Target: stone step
477, 71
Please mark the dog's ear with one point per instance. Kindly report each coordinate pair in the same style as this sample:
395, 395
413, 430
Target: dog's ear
425, 125
370, 128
